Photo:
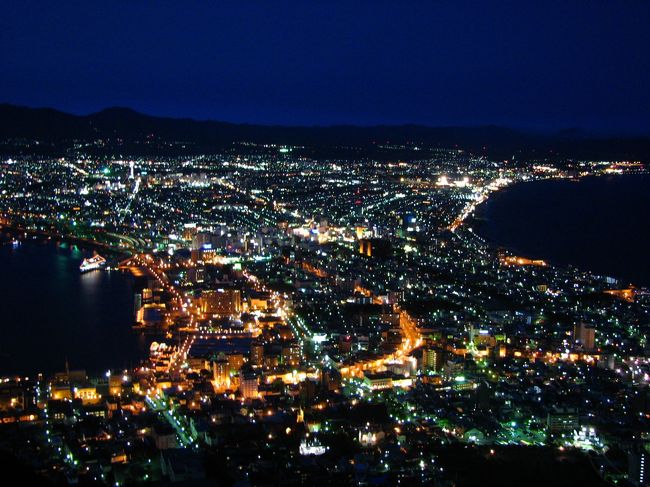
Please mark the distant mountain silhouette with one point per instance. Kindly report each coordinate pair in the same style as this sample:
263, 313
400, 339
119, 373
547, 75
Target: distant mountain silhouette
59, 129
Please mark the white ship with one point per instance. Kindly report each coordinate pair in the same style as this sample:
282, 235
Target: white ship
95, 262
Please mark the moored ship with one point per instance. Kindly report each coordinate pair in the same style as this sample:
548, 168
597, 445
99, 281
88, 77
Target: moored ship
95, 262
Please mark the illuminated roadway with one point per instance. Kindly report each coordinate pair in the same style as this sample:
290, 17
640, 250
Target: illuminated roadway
158, 405
411, 339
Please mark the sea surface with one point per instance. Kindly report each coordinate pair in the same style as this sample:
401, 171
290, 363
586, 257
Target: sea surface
50, 312
600, 224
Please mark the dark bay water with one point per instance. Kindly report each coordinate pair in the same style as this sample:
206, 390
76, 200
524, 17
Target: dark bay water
601, 224
49, 311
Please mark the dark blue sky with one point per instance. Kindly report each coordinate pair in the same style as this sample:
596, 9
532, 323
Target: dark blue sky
538, 64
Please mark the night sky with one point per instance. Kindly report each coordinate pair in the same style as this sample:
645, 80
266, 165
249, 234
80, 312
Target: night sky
528, 64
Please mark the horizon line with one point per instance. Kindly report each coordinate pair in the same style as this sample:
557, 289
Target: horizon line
526, 130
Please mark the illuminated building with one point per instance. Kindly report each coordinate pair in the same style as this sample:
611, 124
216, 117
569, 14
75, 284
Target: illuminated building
12, 396
196, 275
285, 332
563, 419
378, 381
407, 224
460, 383
189, 230
271, 360
137, 304
331, 379
290, 354
147, 295
221, 302
345, 344
115, 385
584, 336
432, 359
235, 361
625, 294
151, 315
248, 386
369, 436
221, 374
201, 240
311, 446
512, 260
639, 466
257, 353
60, 391
87, 393
258, 301
365, 248
374, 247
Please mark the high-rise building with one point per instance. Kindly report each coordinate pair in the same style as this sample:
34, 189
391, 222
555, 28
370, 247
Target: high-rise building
257, 353
432, 359
638, 466
249, 385
584, 336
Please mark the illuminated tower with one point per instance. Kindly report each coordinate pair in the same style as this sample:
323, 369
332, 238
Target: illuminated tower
131, 170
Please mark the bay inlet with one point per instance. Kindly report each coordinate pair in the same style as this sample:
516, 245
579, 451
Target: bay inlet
598, 224
50, 312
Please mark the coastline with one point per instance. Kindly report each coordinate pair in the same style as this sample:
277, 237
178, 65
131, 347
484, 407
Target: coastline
84, 318
480, 221
17, 232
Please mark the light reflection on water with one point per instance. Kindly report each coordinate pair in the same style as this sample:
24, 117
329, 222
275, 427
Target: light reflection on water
49, 311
